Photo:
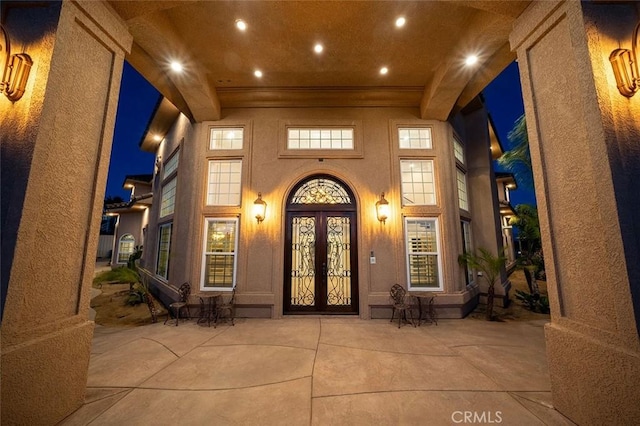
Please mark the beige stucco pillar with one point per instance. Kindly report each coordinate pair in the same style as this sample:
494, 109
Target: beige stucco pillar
585, 148
56, 143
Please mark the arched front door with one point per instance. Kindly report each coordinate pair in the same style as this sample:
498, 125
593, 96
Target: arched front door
321, 262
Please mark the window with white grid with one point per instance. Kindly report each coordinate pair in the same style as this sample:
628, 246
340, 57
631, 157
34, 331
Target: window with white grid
458, 150
219, 254
423, 256
171, 165
224, 182
319, 138
418, 185
415, 138
164, 247
463, 199
226, 138
168, 200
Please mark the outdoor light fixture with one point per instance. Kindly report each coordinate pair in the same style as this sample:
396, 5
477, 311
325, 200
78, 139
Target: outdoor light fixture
259, 208
625, 67
14, 69
382, 209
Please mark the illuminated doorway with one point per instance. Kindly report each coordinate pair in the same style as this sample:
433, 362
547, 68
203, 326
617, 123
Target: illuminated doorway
321, 262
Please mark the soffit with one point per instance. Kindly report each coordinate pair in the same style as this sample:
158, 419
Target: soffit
425, 57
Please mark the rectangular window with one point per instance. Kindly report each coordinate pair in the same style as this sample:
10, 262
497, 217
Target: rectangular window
219, 254
164, 247
463, 200
227, 138
171, 165
458, 150
415, 138
418, 186
423, 257
319, 138
467, 248
224, 183
168, 200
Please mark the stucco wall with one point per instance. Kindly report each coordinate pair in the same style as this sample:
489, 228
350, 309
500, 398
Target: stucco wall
56, 142
268, 169
584, 147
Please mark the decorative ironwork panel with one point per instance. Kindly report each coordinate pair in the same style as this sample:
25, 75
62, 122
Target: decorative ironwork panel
303, 274
338, 261
321, 191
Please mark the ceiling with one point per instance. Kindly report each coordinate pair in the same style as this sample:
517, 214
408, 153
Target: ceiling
425, 57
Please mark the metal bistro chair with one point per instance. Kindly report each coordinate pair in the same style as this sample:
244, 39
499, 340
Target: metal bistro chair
398, 293
184, 291
226, 310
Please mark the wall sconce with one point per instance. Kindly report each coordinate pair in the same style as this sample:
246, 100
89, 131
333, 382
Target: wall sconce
259, 208
14, 69
625, 67
382, 209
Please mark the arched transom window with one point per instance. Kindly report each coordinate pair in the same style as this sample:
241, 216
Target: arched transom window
321, 190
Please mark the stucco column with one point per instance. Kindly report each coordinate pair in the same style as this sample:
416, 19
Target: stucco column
585, 149
56, 143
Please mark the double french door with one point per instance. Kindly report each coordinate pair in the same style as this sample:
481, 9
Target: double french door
321, 259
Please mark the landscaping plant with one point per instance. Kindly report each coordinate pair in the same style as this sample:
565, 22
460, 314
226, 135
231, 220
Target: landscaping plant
491, 267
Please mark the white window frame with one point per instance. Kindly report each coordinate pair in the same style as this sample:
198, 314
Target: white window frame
467, 239
218, 136
166, 266
212, 195
437, 253
404, 192
321, 138
415, 138
458, 151
207, 220
463, 189
168, 199
133, 248
171, 165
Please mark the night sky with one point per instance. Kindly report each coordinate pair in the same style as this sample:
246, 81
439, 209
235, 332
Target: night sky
138, 98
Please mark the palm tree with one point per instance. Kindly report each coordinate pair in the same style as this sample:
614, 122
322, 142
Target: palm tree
491, 267
518, 159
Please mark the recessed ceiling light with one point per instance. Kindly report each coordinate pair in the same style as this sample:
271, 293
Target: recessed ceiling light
257, 73
157, 138
241, 25
176, 66
318, 48
471, 60
400, 22
384, 70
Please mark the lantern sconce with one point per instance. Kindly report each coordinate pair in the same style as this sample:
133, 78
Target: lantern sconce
259, 208
382, 209
14, 69
625, 67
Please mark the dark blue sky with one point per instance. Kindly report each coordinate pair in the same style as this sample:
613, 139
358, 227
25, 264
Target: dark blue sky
138, 98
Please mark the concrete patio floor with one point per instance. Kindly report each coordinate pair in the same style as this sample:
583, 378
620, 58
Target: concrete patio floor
319, 371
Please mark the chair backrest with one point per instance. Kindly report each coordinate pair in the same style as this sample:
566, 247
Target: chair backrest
184, 291
397, 293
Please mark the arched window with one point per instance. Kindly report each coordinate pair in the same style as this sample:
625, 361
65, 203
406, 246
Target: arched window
125, 247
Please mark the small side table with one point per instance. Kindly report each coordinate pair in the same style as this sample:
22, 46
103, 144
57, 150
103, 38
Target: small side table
426, 308
208, 306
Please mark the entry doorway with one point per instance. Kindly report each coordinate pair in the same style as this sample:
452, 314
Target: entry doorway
321, 261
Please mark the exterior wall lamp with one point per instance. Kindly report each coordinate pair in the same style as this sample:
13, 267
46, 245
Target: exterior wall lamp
259, 208
14, 69
382, 209
625, 67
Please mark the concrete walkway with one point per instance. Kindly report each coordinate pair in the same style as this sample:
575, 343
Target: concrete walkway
319, 371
